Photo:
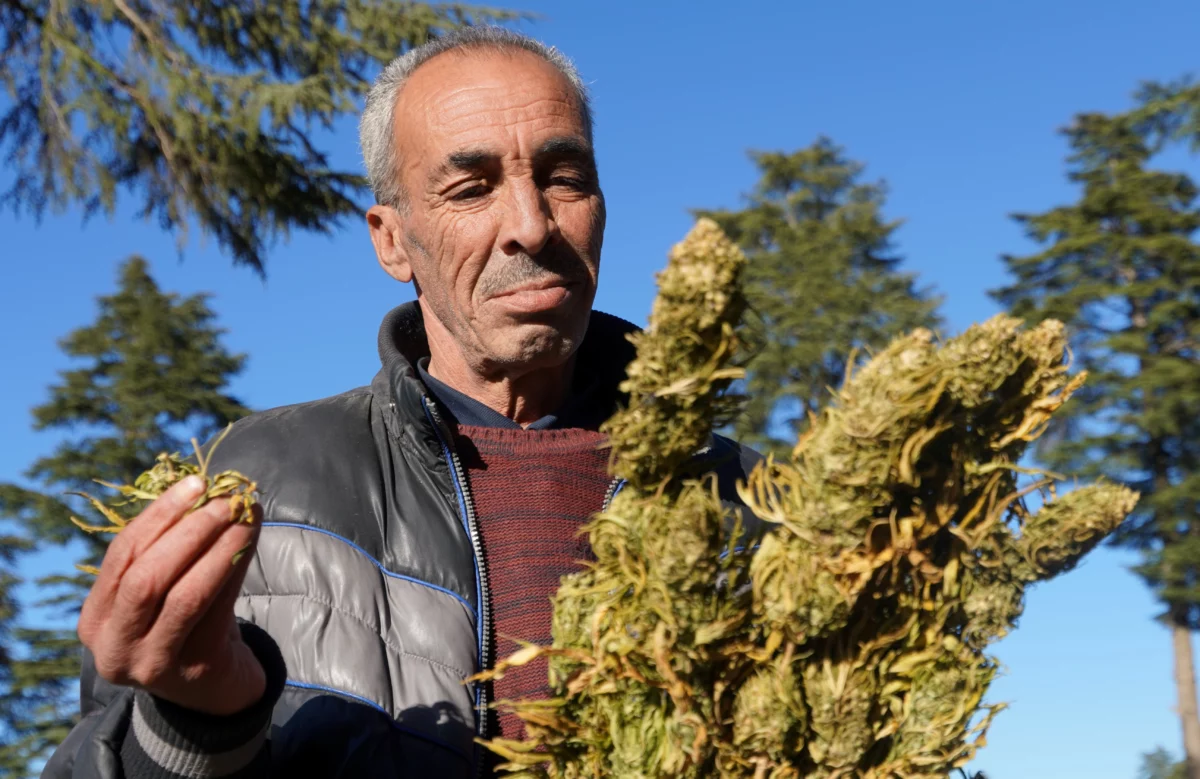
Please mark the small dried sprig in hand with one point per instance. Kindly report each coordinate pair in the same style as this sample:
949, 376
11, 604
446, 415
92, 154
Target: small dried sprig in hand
168, 470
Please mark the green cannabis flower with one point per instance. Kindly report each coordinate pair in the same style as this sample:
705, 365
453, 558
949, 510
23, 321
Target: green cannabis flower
848, 637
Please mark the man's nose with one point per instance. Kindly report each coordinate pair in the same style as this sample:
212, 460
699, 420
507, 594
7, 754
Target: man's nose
528, 221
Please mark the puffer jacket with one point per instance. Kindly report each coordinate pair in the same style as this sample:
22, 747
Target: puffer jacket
367, 576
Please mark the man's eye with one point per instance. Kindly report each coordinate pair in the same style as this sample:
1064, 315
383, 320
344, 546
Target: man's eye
470, 193
568, 181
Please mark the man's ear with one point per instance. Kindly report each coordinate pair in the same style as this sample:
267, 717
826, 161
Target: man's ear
388, 237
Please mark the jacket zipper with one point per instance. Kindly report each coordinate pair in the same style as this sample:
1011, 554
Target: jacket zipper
613, 488
485, 649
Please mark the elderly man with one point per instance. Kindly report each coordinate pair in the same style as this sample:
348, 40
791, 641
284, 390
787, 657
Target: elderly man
412, 527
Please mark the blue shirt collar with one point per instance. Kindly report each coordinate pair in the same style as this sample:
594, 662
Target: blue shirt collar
575, 412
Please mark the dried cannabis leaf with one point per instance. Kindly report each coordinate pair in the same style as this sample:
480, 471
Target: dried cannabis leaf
850, 640
168, 470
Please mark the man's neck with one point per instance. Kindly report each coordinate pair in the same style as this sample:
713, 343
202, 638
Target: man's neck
523, 398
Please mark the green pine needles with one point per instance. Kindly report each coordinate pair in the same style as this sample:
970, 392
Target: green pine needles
209, 114
849, 638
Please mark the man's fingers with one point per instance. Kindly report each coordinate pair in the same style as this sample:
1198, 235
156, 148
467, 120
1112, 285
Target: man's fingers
200, 605
148, 526
142, 590
233, 585
139, 534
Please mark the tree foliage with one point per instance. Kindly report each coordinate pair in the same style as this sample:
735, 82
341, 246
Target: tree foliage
150, 373
1122, 267
1160, 764
822, 281
12, 547
1168, 112
207, 112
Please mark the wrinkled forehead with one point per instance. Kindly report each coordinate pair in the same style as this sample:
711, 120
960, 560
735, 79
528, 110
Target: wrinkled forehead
467, 98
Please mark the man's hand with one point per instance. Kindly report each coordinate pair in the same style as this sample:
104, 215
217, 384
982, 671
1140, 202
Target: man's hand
160, 614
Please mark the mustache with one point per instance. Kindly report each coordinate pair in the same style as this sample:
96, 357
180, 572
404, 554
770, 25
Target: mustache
508, 271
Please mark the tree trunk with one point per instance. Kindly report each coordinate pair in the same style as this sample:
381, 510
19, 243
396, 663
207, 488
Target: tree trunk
1185, 685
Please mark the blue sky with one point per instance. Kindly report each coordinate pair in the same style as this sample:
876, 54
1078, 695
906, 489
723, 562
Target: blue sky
955, 105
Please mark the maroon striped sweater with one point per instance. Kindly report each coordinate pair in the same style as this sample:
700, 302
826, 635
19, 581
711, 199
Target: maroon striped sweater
533, 490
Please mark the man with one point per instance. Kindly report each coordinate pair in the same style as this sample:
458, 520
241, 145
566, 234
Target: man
412, 527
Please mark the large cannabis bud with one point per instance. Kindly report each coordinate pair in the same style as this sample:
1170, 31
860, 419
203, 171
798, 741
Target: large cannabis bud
847, 640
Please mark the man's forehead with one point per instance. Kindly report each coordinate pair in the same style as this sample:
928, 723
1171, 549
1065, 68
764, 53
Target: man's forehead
462, 97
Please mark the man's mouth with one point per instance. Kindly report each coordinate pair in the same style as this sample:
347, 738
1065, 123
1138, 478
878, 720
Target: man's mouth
538, 295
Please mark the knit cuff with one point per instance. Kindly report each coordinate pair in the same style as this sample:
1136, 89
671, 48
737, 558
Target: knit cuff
167, 741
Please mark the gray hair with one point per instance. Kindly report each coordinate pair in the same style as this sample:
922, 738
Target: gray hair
376, 130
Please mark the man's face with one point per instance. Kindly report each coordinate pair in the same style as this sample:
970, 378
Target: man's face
504, 218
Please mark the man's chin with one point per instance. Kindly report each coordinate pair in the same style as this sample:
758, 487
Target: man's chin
535, 342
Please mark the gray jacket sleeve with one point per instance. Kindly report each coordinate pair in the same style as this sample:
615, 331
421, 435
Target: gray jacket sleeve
130, 734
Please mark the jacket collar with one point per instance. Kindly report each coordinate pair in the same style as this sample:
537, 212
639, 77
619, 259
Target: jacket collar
605, 353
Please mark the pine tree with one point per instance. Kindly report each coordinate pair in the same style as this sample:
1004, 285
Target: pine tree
822, 282
1168, 112
208, 112
152, 374
1121, 267
37, 702
12, 548
1159, 764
